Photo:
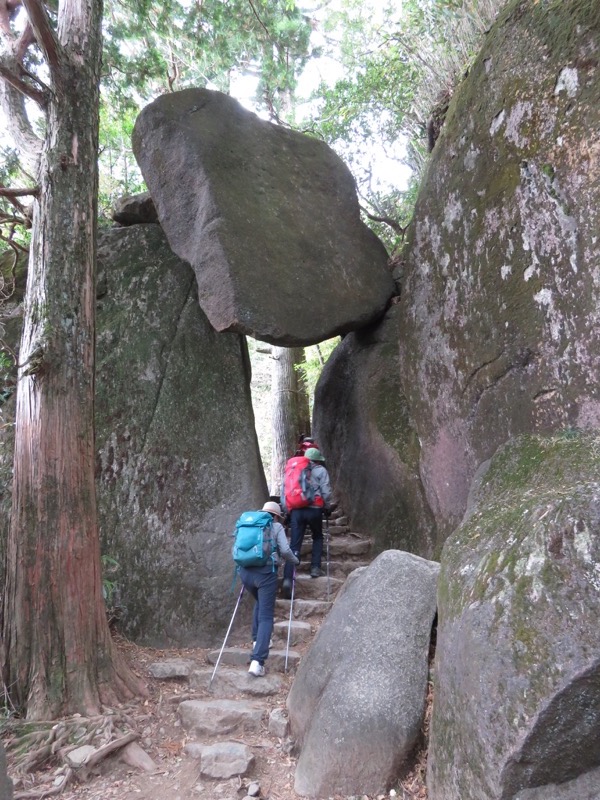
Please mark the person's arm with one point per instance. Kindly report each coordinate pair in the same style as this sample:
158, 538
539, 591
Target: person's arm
283, 547
324, 487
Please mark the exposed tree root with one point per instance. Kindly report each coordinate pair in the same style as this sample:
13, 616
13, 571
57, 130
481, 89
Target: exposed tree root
32, 746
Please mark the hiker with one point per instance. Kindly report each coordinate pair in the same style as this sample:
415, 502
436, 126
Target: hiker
311, 515
305, 443
261, 582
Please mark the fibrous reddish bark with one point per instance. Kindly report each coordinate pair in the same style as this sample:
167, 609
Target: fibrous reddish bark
58, 653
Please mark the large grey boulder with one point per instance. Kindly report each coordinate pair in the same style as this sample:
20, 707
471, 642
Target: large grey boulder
585, 787
268, 218
177, 455
517, 671
500, 302
362, 423
356, 705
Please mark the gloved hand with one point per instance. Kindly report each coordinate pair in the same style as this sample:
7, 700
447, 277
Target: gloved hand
326, 513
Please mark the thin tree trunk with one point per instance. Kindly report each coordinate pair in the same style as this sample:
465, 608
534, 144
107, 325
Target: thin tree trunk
289, 409
304, 425
59, 656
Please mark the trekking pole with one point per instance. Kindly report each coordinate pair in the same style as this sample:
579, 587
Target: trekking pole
226, 635
327, 546
287, 647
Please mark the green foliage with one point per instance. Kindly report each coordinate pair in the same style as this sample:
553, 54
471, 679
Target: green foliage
153, 47
119, 173
399, 61
315, 358
13, 215
7, 376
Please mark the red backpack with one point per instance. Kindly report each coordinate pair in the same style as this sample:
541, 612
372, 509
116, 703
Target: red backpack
297, 488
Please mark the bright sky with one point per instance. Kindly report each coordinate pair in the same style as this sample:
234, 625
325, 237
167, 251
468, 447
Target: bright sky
387, 168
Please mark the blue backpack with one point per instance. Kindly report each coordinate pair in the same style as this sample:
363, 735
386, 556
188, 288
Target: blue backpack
254, 543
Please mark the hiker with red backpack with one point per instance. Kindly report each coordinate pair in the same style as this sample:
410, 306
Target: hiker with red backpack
259, 577
306, 496
304, 444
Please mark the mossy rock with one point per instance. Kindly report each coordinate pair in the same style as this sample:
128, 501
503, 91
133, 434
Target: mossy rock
517, 674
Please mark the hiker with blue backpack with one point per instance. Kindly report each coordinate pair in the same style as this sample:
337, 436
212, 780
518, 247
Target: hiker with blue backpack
306, 498
258, 573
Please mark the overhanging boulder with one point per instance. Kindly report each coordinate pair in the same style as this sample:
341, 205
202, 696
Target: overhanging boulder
267, 217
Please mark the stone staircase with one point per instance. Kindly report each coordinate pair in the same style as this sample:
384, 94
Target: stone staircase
235, 709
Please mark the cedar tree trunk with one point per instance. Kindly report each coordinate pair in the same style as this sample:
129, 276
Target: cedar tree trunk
289, 409
58, 654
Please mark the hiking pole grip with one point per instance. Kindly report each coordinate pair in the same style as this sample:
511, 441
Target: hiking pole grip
287, 647
226, 636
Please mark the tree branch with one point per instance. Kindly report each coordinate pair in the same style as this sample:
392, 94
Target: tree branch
44, 34
27, 38
387, 221
5, 19
6, 192
7, 219
12, 103
262, 24
22, 86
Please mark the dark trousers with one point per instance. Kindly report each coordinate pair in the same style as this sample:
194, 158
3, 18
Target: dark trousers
262, 585
300, 518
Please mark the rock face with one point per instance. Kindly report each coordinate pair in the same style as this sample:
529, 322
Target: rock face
6, 785
356, 705
135, 209
500, 305
177, 456
267, 217
362, 423
517, 674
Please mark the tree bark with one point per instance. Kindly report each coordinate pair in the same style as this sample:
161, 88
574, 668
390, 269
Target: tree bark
58, 654
289, 410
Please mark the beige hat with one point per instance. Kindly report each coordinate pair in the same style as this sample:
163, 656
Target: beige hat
273, 508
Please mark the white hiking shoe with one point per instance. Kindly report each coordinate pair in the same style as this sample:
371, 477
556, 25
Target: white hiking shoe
256, 669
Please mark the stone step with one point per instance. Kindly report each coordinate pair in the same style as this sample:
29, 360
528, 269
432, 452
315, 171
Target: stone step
240, 657
303, 609
322, 588
220, 717
221, 760
337, 529
348, 546
299, 631
229, 682
334, 530
337, 568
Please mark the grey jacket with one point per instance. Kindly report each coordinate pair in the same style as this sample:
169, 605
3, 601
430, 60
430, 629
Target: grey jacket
282, 548
319, 478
